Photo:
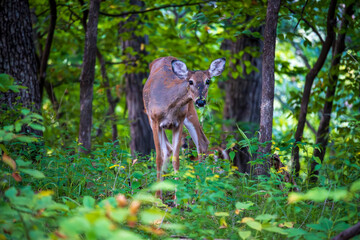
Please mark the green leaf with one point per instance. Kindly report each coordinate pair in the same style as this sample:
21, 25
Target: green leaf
164, 186
254, 225
32, 172
222, 214
294, 232
275, 230
242, 205
232, 155
89, 202
265, 217
151, 215
355, 187
124, 234
244, 234
75, 225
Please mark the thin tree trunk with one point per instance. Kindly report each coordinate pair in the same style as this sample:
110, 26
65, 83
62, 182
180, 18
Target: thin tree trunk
17, 56
322, 134
111, 101
46, 53
142, 141
87, 78
309, 81
268, 78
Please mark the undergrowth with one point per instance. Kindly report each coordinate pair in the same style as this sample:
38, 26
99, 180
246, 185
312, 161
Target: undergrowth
109, 195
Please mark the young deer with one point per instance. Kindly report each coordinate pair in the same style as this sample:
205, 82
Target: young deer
169, 96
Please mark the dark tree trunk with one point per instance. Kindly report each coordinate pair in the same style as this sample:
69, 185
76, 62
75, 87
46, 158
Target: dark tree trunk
309, 81
142, 141
243, 94
322, 134
17, 55
267, 93
87, 78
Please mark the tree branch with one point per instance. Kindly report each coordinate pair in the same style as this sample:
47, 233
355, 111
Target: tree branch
308, 23
301, 16
154, 9
349, 233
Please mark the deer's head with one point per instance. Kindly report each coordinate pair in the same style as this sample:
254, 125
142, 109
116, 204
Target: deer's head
198, 81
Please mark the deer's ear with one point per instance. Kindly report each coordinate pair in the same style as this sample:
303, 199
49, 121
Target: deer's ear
217, 67
180, 69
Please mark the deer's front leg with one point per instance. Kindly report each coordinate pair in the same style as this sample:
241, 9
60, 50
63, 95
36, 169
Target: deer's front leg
176, 141
192, 124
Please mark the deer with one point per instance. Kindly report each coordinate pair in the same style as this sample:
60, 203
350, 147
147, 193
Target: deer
170, 95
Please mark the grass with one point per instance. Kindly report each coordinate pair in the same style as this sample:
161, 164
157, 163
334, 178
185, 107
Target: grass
79, 199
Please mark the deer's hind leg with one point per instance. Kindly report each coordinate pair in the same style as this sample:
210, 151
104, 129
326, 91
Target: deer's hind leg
159, 160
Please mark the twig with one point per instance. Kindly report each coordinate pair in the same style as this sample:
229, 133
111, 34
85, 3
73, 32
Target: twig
162, 220
301, 16
308, 23
153, 9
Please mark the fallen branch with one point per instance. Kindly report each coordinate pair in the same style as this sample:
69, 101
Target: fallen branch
349, 233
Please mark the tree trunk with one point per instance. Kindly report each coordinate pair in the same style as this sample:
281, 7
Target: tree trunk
17, 54
267, 93
322, 134
18, 57
309, 81
87, 78
46, 53
243, 94
142, 141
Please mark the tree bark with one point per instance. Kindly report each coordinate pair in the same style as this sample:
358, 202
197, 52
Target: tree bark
331, 21
142, 141
17, 56
322, 134
243, 94
268, 78
87, 78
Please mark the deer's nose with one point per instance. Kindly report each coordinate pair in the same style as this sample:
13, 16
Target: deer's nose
200, 102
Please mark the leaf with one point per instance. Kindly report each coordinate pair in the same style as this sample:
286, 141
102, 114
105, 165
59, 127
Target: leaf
275, 230
244, 234
164, 186
124, 234
9, 161
243, 205
89, 202
355, 187
16, 176
254, 225
294, 232
221, 214
151, 215
265, 217
32, 172
232, 155
75, 225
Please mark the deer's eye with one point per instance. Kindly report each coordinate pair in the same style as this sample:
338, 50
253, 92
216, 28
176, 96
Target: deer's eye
191, 82
207, 81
